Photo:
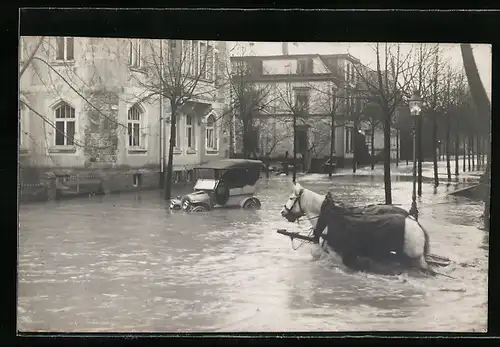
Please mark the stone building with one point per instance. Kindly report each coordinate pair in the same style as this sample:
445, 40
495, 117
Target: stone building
310, 79
89, 104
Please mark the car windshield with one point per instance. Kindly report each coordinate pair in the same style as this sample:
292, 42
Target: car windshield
206, 173
205, 184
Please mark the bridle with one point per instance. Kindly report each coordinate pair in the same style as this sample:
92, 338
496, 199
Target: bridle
297, 200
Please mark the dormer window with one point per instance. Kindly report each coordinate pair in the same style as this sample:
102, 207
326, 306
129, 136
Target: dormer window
305, 66
256, 67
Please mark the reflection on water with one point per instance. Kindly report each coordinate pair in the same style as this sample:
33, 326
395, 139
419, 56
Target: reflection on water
127, 263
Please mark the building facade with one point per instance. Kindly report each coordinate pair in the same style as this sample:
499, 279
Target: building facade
90, 103
326, 84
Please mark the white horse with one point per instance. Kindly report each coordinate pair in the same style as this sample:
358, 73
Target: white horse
304, 202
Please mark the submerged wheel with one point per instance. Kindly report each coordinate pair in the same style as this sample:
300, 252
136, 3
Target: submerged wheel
185, 204
252, 203
199, 208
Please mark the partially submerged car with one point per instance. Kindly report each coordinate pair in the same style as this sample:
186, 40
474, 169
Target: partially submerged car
222, 183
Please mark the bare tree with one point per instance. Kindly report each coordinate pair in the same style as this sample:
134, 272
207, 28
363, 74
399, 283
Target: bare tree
328, 102
389, 83
294, 100
178, 72
251, 103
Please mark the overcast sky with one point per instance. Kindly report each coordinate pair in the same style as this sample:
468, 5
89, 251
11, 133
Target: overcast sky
365, 52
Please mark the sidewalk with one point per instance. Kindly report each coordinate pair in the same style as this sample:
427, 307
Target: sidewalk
427, 170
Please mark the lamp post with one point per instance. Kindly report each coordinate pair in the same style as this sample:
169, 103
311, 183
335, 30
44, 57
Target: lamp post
415, 104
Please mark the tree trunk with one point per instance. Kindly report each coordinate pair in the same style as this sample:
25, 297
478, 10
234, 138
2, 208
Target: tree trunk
457, 143
294, 172
447, 146
464, 152
353, 142
483, 105
332, 144
473, 148
434, 152
420, 154
170, 162
397, 148
469, 151
478, 153
372, 139
387, 158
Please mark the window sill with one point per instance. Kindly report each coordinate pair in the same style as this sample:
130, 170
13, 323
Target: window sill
191, 151
137, 151
177, 151
62, 149
212, 151
62, 62
23, 151
137, 69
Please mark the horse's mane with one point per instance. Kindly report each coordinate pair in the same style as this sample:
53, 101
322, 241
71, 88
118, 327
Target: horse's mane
337, 206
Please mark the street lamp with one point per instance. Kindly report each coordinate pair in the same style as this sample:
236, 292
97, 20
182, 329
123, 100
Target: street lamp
415, 104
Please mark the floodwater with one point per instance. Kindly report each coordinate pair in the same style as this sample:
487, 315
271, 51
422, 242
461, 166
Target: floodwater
125, 263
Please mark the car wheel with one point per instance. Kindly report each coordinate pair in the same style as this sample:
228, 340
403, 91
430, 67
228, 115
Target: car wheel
252, 204
185, 204
198, 208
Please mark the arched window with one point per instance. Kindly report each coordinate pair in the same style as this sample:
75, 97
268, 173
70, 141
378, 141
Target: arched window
134, 126
65, 124
211, 131
190, 135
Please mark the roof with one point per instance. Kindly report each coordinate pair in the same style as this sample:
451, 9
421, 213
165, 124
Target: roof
227, 164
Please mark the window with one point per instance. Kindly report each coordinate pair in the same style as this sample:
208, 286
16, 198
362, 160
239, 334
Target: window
304, 66
194, 58
211, 138
172, 47
134, 126
349, 139
190, 132
65, 48
256, 67
177, 134
186, 56
302, 100
65, 125
135, 52
21, 127
209, 71
203, 59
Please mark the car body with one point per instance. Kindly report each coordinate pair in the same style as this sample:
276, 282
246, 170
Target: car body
231, 184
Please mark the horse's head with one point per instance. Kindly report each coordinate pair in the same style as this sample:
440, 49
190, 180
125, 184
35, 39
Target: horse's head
292, 210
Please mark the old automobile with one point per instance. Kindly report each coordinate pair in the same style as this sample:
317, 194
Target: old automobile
222, 183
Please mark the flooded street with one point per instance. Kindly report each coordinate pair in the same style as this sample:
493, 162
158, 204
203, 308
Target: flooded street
126, 263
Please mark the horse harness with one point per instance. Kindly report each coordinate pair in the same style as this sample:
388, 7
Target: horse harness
297, 200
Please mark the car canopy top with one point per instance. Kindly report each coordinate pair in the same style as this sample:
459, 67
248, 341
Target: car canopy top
236, 172
228, 164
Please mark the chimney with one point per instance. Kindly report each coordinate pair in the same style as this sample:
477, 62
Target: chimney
284, 48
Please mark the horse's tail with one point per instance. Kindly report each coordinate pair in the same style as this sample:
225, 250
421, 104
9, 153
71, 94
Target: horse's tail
427, 246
